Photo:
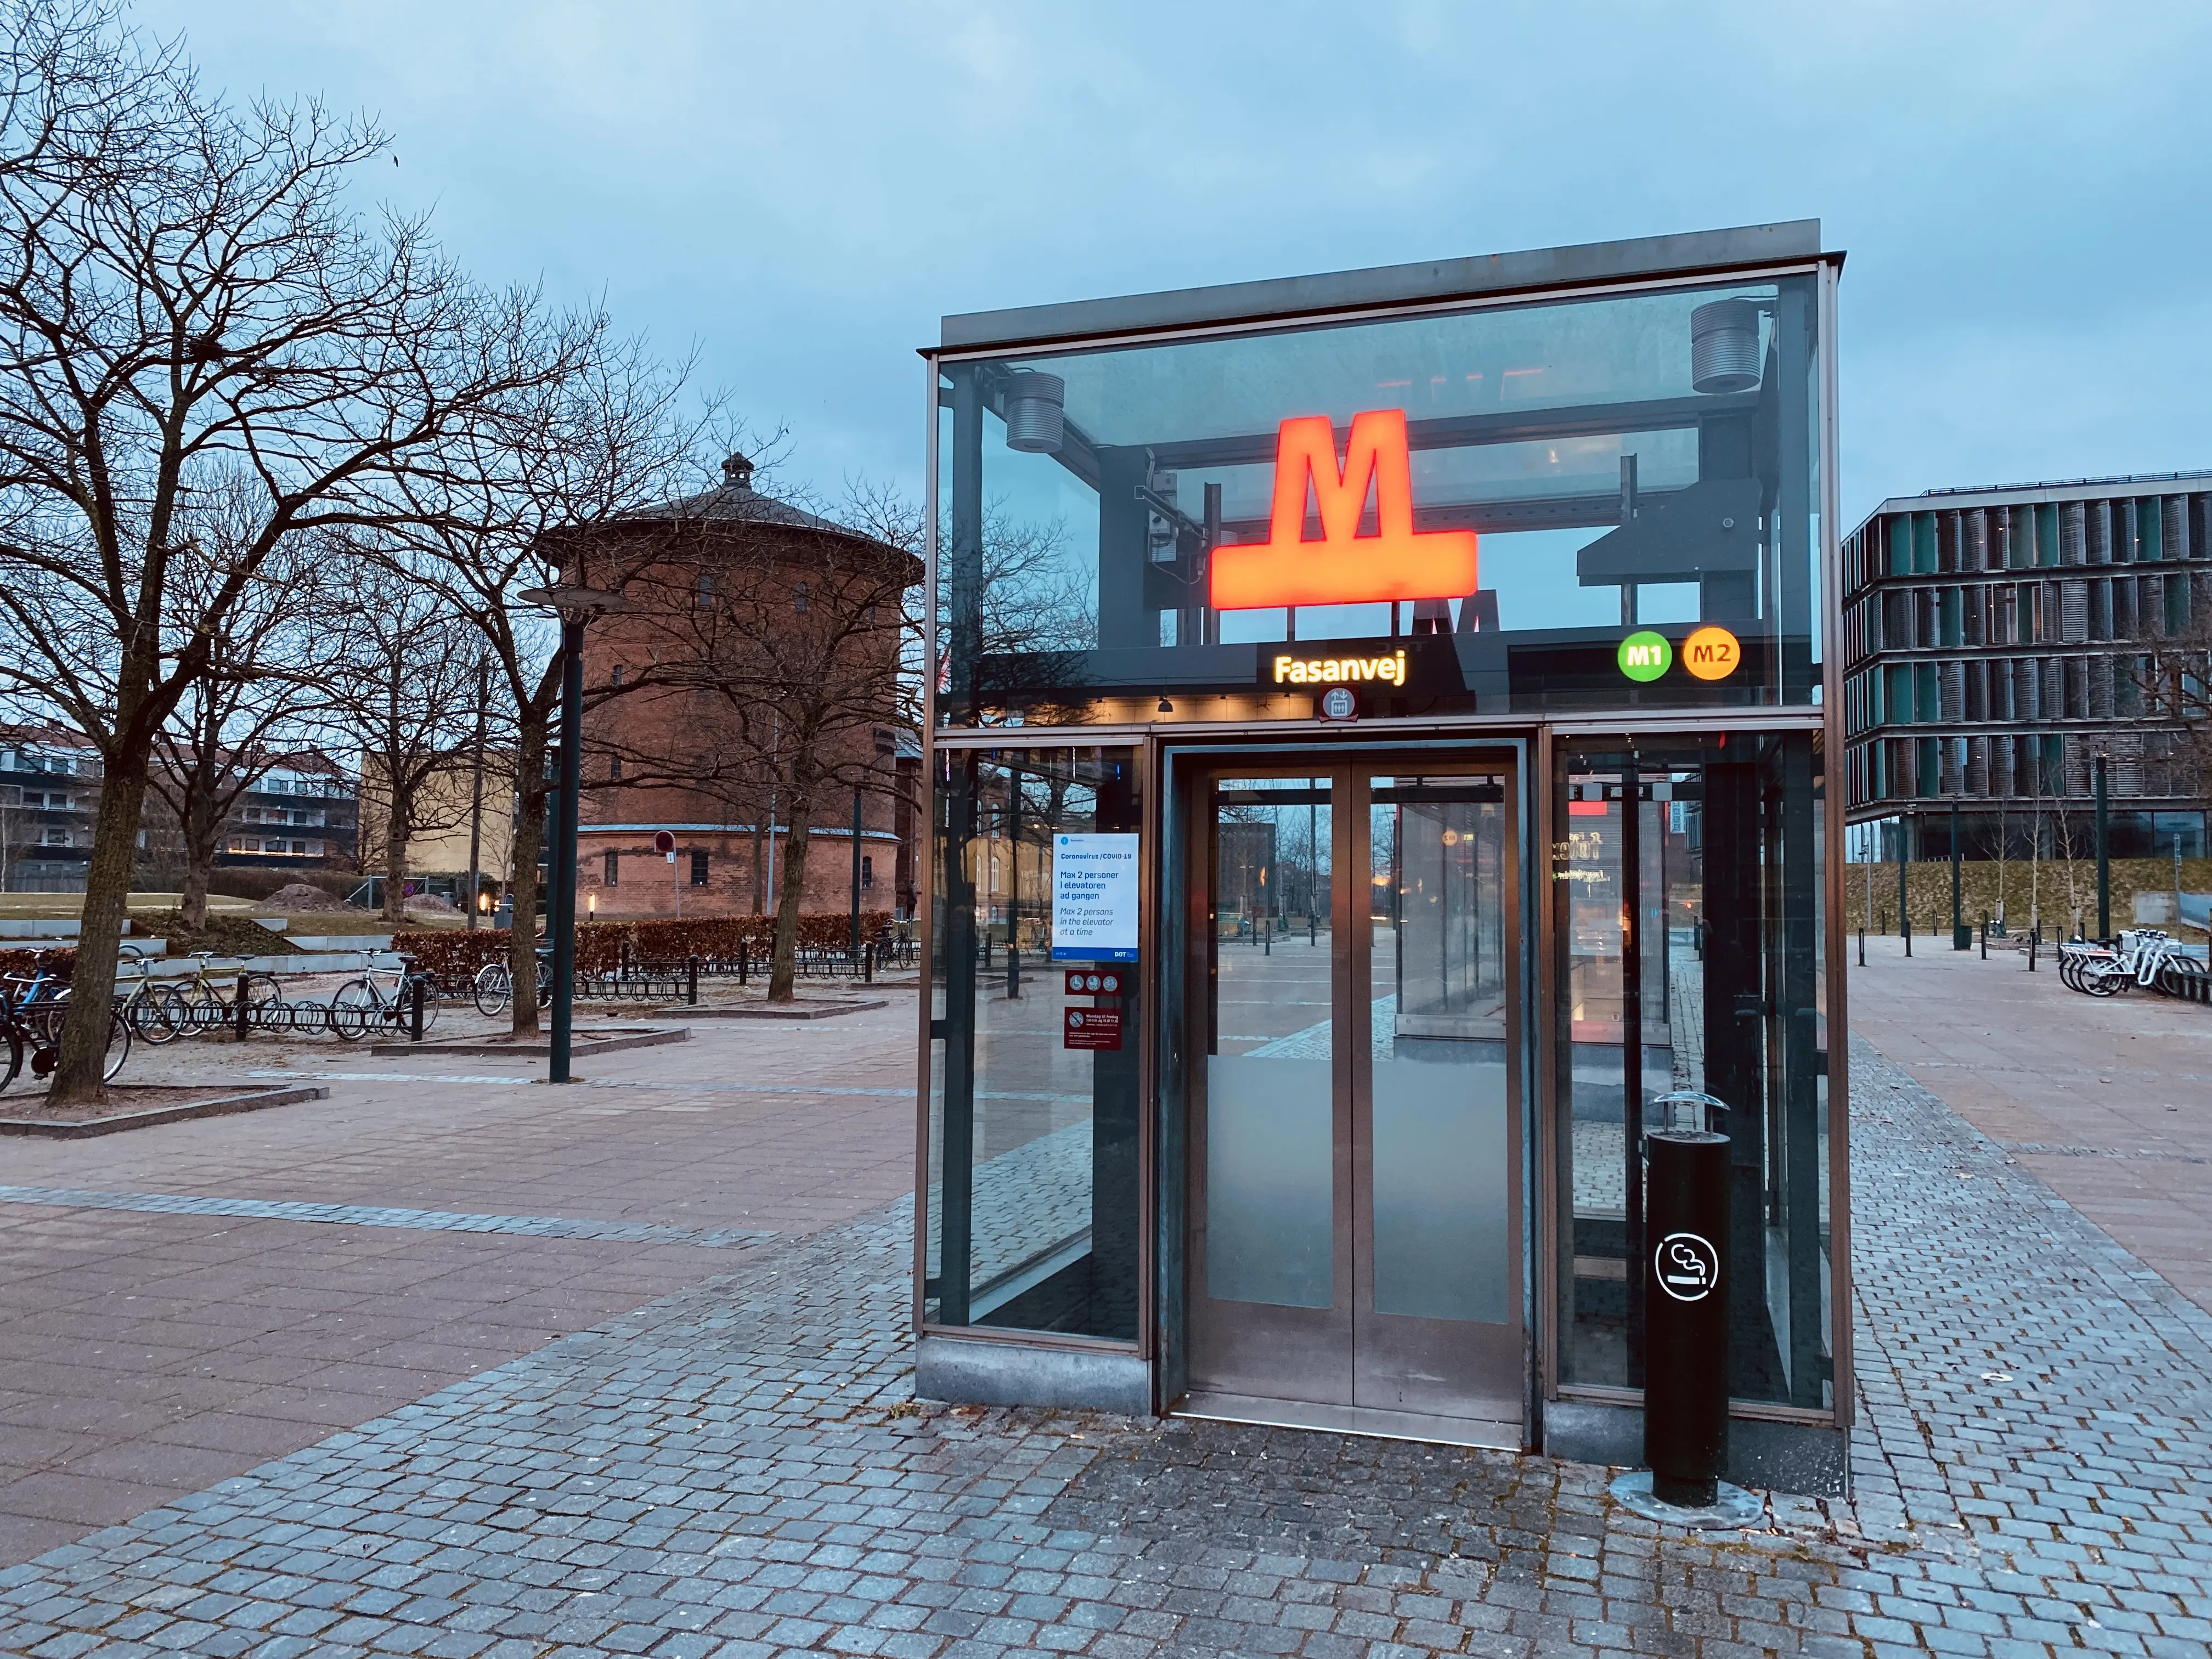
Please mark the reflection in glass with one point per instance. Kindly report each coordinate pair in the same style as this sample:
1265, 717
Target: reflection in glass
1032, 1181
1441, 1135
1571, 434
1717, 869
1270, 1118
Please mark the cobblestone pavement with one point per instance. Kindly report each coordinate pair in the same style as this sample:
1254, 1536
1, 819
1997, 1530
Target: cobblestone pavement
2107, 1099
737, 1470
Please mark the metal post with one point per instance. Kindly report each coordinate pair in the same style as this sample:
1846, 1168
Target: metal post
691, 980
476, 794
868, 962
741, 962
1960, 939
1904, 915
856, 871
415, 1008
1632, 1055
2104, 859
242, 1006
1862, 944
564, 856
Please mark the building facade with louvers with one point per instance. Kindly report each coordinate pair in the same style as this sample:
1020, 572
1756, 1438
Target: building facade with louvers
1996, 640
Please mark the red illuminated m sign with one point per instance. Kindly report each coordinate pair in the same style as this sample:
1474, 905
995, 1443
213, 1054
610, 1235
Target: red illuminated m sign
1343, 567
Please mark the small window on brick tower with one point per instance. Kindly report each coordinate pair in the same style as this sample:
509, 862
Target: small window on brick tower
617, 673
614, 766
798, 599
867, 872
698, 869
611, 871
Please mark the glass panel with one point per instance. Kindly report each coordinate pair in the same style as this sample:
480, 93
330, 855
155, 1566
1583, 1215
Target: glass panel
1725, 898
1270, 1120
1599, 468
1440, 1134
1032, 1181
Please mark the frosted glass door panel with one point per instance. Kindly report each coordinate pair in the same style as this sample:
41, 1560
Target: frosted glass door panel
1270, 1159
1441, 1160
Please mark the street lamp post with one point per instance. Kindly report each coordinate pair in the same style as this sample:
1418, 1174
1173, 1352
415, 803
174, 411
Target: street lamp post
2104, 857
576, 605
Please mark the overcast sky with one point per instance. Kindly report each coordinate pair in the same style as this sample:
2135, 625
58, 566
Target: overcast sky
802, 191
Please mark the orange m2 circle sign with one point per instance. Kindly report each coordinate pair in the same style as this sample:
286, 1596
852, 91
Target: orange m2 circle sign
1711, 653
1343, 566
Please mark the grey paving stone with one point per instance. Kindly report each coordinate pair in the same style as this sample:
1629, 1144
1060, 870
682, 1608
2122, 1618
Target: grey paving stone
721, 1473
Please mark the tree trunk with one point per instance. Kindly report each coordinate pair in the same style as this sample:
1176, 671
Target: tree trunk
395, 853
107, 905
528, 835
791, 886
202, 837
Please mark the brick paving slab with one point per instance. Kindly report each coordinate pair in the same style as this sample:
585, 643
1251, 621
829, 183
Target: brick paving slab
170, 1321
737, 1470
2108, 1100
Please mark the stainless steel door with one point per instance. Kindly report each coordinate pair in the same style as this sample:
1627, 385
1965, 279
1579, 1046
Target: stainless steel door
1354, 1252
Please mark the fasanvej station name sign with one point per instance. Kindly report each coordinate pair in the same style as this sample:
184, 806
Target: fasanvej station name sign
1094, 897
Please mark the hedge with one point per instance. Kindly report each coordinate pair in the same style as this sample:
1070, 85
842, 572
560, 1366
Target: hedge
599, 945
60, 962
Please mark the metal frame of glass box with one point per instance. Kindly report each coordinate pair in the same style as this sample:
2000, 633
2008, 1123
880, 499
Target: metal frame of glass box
1086, 718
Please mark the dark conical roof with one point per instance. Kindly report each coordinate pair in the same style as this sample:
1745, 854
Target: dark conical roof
735, 502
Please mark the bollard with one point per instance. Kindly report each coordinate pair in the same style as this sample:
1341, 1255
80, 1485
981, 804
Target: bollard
1908, 935
1685, 1210
242, 1013
2033, 939
691, 980
1313, 930
868, 962
741, 962
415, 1009
1985, 939
1268, 945
1861, 947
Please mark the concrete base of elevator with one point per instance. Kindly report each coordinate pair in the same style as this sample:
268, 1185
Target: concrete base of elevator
1015, 1374
1806, 1459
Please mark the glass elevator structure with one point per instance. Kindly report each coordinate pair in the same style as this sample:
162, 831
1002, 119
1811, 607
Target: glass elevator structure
1376, 744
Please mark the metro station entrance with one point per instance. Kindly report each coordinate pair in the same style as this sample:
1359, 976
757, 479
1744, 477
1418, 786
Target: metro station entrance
1353, 984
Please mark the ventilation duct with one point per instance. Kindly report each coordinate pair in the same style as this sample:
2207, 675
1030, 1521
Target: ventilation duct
1034, 405
1724, 346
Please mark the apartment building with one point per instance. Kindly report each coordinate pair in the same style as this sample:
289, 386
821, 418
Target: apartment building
1996, 641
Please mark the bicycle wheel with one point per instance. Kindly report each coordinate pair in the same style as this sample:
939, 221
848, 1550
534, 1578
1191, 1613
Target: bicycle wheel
119, 1045
11, 1051
354, 1007
431, 1002
156, 1013
493, 990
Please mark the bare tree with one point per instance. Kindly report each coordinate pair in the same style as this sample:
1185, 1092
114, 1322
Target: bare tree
186, 292
558, 483
794, 628
2175, 683
406, 692
267, 663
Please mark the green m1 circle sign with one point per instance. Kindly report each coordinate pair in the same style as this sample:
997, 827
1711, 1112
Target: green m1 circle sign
1645, 655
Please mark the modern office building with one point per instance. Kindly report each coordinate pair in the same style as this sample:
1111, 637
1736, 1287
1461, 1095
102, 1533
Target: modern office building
1376, 749
1996, 641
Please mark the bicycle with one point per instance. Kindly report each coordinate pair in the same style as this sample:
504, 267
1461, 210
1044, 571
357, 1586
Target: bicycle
493, 987
204, 1002
31, 1022
382, 996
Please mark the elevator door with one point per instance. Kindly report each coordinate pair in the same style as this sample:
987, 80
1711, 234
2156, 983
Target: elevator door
1354, 1254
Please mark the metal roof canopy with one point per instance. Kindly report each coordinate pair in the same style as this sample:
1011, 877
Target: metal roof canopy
1688, 253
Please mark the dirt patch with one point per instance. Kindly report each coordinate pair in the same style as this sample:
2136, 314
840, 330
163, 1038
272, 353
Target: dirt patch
228, 935
299, 895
